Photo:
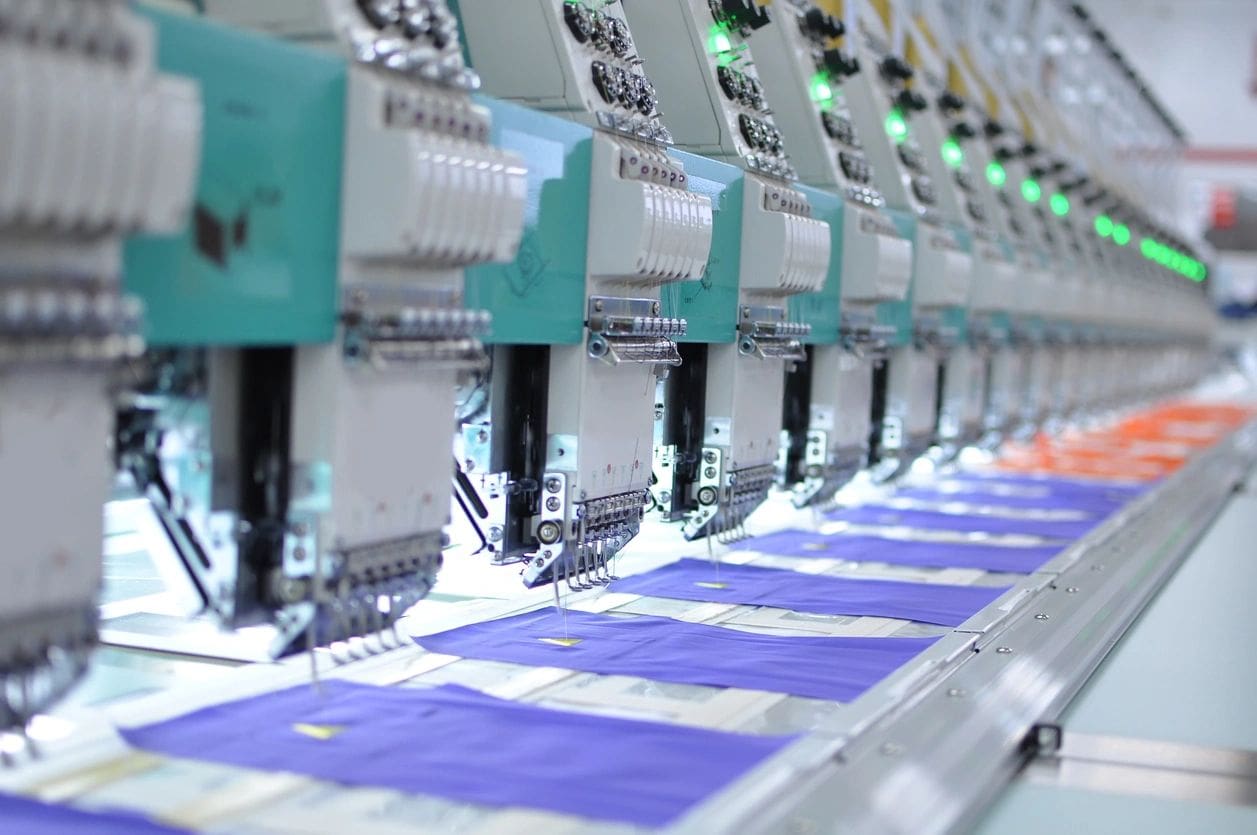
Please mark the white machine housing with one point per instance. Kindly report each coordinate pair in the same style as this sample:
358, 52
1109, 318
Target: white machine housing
92, 147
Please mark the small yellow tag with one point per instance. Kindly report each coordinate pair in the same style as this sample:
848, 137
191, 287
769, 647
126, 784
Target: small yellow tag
712, 585
561, 642
322, 732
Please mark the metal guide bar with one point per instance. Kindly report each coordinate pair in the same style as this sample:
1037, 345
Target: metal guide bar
954, 744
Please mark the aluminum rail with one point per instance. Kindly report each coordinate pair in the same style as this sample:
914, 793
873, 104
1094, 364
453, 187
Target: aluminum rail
935, 763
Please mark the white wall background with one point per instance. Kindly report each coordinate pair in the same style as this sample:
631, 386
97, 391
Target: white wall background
1200, 58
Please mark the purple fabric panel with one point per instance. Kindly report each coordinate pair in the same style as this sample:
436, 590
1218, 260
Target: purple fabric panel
26, 816
747, 584
1094, 503
935, 520
865, 548
463, 745
1053, 485
838, 669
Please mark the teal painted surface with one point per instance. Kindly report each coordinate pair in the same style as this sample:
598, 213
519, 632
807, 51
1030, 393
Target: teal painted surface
957, 318
1029, 809
1186, 672
258, 263
899, 314
823, 310
710, 305
539, 298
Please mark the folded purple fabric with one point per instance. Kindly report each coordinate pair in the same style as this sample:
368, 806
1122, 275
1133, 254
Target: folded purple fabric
747, 584
838, 669
1098, 503
867, 548
27, 816
463, 745
937, 520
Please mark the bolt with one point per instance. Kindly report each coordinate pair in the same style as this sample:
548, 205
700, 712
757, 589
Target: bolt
300, 529
709, 457
553, 504
710, 472
553, 485
665, 496
549, 532
1004, 650
299, 553
495, 533
598, 305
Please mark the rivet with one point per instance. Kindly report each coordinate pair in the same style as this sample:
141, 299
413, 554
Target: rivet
1041, 616
1004, 650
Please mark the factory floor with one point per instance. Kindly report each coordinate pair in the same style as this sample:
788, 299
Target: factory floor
1163, 738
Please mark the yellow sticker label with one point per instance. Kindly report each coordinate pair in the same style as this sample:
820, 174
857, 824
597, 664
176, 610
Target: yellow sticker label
561, 642
323, 732
712, 585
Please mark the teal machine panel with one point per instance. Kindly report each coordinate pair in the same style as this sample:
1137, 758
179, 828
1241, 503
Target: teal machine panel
823, 310
258, 263
898, 315
956, 319
710, 305
539, 298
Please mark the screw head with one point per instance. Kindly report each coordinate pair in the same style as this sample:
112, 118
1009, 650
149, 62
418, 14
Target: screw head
548, 532
553, 504
709, 457
495, 533
655, 308
710, 472
553, 485
1071, 590
1004, 650
957, 693
598, 305
1041, 616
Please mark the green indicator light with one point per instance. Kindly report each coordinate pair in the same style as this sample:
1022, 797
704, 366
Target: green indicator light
718, 40
953, 154
1031, 191
821, 92
1147, 246
995, 174
1104, 226
896, 126
1121, 234
1059, 204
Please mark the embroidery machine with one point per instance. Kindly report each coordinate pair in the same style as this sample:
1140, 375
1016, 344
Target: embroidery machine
601, 280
